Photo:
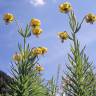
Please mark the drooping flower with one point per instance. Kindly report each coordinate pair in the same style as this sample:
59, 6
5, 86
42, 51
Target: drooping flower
63, 36
8, 17
35, 22
39, 68
44, 50
17, 57
65, 7
37, 51
90, 18
37, 31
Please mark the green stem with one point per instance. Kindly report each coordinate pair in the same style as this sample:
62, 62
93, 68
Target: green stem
74, 40
24, 46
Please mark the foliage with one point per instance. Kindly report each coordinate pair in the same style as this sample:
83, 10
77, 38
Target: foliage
53, 84
4, 80
80, 79
27, 80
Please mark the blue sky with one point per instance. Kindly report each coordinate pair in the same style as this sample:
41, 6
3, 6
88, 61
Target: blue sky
52, 23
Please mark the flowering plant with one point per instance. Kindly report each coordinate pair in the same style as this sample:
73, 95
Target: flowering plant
26, 71
80, 79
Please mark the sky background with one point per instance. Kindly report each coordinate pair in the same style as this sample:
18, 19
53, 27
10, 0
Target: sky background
52, 22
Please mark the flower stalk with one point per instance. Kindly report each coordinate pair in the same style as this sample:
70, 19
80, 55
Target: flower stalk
27, 80
77, 82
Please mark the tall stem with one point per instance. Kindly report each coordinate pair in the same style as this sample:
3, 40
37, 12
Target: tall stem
24, 46
74, 40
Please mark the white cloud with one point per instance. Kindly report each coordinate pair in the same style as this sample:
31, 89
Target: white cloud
37, 2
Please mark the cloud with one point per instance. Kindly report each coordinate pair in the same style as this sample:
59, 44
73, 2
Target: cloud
37, 2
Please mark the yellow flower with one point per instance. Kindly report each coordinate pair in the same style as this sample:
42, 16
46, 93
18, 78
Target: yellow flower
35, 22
65, 7
63, 36
37, 51
90, 18
17, 57
44, 50
37, 31
39, 68
8, 18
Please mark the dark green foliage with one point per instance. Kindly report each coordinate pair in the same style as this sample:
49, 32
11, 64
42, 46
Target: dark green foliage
4, 81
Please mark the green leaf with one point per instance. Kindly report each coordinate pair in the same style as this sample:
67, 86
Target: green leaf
27, 31
20, 47
20, 31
